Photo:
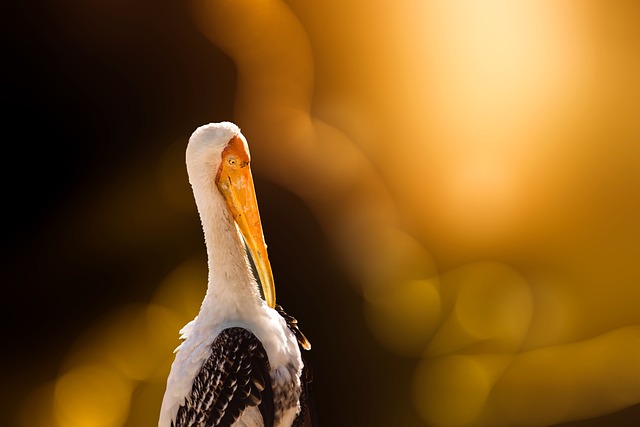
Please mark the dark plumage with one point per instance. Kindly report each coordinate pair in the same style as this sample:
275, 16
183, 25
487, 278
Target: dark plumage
235, 376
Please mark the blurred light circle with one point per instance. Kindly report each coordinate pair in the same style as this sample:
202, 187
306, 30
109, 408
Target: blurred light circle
92, 396
451, 391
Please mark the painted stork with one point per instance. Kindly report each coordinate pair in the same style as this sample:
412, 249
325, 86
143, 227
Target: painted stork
240, 363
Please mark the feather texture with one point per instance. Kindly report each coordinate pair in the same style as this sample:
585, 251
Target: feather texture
235, 377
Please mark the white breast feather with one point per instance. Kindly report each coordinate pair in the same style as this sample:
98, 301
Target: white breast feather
269, 327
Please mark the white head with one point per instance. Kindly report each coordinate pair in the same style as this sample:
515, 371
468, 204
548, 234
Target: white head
206, 144
218, 160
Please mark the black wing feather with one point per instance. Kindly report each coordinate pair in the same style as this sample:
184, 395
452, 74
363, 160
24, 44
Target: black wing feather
235, 377
292, 324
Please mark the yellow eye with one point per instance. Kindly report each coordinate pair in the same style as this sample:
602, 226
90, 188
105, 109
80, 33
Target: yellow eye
232, 162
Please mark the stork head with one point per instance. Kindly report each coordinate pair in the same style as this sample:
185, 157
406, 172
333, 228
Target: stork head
219, 152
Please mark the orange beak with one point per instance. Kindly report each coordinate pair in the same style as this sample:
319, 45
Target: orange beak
235, 182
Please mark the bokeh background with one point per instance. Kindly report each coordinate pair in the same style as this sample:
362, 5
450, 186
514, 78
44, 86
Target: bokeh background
449, 190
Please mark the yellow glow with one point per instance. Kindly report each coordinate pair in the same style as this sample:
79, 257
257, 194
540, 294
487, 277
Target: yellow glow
492, 311
92, 396
408, 330
452, 390
145, 403
182, 291
488, 125
128, 347
130, 350
586, 377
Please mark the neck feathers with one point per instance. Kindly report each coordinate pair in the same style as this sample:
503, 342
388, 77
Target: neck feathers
232, 286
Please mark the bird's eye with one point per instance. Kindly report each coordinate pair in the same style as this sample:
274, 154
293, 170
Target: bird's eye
232, 162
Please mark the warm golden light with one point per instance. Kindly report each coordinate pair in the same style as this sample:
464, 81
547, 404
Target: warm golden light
92, 396
116, 373
484, 120
404, 331
474, 165
452, 390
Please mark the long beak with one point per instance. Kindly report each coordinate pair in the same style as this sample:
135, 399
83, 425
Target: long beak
236, 185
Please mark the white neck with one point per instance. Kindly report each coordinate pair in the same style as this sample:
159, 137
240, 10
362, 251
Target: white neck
232, 288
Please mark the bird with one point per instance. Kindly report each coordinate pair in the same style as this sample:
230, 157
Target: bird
240, 362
